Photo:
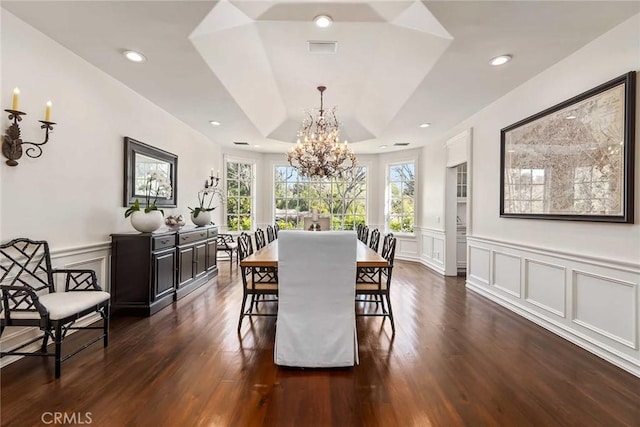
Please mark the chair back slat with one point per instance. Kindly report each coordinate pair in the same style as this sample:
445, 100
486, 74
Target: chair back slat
389, 248
364, 234
374, 241
271, 236
260, 242
24, 262
245, 247
276, 228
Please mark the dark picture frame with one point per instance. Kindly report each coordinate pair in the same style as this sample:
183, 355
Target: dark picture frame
573, 161
135, 152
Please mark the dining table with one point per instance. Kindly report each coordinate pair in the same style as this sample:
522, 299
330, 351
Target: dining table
268, 257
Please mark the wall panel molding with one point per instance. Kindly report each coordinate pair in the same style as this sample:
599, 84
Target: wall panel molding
592, 302
502, 277
431, 248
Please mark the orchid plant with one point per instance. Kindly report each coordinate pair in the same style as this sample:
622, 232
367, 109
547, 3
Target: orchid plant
156, 185
205, 198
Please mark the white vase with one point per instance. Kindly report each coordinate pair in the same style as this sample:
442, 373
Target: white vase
147, 222
203, 218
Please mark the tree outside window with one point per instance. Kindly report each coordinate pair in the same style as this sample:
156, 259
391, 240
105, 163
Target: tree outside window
343, 200
401, 197
239, 196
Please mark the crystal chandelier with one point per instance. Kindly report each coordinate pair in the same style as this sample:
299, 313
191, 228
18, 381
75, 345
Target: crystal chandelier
319, 153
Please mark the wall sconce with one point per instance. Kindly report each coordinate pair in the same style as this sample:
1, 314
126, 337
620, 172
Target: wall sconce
212, 181
12, 143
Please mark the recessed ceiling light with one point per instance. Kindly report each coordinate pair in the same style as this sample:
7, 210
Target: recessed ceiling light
323, 21
257, 146
571, 117
134, 56
511, 151
383, 146
214, 123
499, 60
425, 125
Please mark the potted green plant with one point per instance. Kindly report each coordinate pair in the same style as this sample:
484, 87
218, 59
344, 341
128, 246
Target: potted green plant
201, 215
149, 218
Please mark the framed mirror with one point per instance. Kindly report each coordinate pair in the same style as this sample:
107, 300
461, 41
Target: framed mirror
143, 161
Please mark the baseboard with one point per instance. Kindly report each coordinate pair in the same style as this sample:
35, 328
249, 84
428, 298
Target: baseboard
608, 354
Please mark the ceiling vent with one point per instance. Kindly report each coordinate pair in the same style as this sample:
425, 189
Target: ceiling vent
322, 47
240, 142
401, 144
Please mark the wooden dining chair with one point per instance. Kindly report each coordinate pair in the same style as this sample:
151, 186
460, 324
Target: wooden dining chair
276, 228
260, 242
374, 241
271, 236
377, 282
316, 320
364, 234
29, 298
226, 243
252, 285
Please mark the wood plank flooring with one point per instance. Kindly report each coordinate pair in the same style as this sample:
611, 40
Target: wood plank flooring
456, 359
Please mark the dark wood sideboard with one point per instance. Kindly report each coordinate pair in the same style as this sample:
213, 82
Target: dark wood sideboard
151, 270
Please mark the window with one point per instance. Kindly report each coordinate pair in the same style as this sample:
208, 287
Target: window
343, 200
526, 190
401, 197
240, 195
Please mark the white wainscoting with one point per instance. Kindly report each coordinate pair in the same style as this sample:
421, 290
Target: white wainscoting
592, 302
430, 248
95, 257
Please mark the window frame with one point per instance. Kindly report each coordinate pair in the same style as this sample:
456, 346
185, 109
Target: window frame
247, 161
387, 194
367, 199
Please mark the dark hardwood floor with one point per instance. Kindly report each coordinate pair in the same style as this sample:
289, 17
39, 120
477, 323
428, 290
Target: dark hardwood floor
457, 359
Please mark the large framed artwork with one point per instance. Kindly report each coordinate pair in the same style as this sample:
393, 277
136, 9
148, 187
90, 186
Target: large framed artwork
573, 161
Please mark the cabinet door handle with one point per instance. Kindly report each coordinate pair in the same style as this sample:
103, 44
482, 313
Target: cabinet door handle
164, 242
185, 237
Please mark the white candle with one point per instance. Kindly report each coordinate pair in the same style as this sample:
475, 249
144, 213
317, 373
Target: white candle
47, 112
14, 101
314, 215
218, 174
211, 173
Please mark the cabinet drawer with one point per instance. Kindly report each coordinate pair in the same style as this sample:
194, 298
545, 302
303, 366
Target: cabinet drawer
192, 236
163, 242
213, 232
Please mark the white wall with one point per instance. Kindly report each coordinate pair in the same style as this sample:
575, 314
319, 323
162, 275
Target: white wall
578, 279
72, 195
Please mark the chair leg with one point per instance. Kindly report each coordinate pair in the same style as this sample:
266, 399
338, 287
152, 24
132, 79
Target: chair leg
105, 326
58, 356
253, 303
384, 309
393, 324
45, 341
244, 301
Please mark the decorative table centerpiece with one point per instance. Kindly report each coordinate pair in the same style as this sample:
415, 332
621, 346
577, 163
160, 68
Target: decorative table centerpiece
174, 222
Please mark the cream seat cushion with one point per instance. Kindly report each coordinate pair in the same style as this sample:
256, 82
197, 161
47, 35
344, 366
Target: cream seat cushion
64, 304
